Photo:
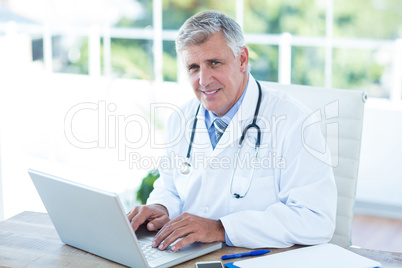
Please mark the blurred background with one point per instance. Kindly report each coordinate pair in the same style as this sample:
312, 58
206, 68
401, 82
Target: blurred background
77, 79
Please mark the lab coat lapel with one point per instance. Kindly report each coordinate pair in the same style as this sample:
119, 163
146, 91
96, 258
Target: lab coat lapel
242, 118
202, 142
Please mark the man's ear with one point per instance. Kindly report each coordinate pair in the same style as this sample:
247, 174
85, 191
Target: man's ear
243, 59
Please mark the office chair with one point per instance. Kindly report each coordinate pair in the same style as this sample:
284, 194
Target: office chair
341, 113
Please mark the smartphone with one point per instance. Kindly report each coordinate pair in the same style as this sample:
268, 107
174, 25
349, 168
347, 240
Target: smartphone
209, 264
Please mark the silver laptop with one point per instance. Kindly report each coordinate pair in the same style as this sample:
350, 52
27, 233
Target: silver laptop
94, 221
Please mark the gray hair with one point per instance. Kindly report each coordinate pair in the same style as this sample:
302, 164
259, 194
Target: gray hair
200, 27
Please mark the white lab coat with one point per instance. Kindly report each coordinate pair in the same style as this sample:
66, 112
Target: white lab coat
291, 200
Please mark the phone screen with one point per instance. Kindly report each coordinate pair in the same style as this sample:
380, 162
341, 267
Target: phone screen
209, 265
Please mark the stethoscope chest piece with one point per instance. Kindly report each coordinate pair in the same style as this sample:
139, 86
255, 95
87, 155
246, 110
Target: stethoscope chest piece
185, 168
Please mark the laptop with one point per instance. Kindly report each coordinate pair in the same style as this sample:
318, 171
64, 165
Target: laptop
94, 220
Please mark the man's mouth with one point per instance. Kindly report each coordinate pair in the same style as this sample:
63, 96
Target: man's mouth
211, 92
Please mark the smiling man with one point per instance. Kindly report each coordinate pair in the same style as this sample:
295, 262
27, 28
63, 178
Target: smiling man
218, 78
240, 201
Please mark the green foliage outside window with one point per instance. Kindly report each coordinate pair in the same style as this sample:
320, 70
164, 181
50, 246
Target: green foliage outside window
147, 186
351, 68
132, 58
301, 17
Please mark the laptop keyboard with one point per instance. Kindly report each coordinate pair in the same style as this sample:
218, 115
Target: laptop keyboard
151, 253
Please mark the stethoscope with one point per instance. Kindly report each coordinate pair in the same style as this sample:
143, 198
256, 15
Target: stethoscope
186, 168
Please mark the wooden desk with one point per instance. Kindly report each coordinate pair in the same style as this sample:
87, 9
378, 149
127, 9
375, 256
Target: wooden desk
30, 240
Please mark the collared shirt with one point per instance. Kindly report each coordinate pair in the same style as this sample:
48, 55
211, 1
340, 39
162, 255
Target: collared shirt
210, 117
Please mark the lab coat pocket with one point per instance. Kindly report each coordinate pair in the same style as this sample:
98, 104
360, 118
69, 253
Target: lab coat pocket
260, 195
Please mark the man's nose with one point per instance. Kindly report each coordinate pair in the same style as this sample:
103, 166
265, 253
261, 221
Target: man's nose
205, 77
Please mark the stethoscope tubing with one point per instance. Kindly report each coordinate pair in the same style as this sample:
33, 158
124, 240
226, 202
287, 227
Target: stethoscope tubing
186, 167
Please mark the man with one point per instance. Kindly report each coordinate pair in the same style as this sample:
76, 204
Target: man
276, 198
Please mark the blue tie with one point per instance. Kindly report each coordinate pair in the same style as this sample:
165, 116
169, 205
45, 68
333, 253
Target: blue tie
220, 127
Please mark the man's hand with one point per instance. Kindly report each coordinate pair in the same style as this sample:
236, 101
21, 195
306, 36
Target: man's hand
192, 229
156, 215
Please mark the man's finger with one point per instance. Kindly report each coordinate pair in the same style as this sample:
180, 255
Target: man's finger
157, 223
156, 214
137, 221
140, 217
166, 230
174, 236
132, 213
189, 239
171, 232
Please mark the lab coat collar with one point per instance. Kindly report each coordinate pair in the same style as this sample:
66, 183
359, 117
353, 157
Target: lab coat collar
247, 108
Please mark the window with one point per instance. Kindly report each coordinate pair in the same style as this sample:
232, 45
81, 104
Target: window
138, 41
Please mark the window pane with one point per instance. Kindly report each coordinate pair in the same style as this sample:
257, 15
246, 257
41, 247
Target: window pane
139, 17
37, 49
132, 58
264, 62
169, 61
368, 19
176, 12
298, 17
70, 54
308, 66
362, 69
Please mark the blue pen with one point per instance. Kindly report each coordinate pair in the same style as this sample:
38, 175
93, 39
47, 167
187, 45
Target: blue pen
245, 254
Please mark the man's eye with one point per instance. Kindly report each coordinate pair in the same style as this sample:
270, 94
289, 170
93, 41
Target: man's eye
192, 68
215, 63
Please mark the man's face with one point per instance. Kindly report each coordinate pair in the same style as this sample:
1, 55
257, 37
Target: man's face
217, 77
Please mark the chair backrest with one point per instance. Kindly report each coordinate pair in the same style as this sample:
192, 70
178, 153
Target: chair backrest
341, 113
